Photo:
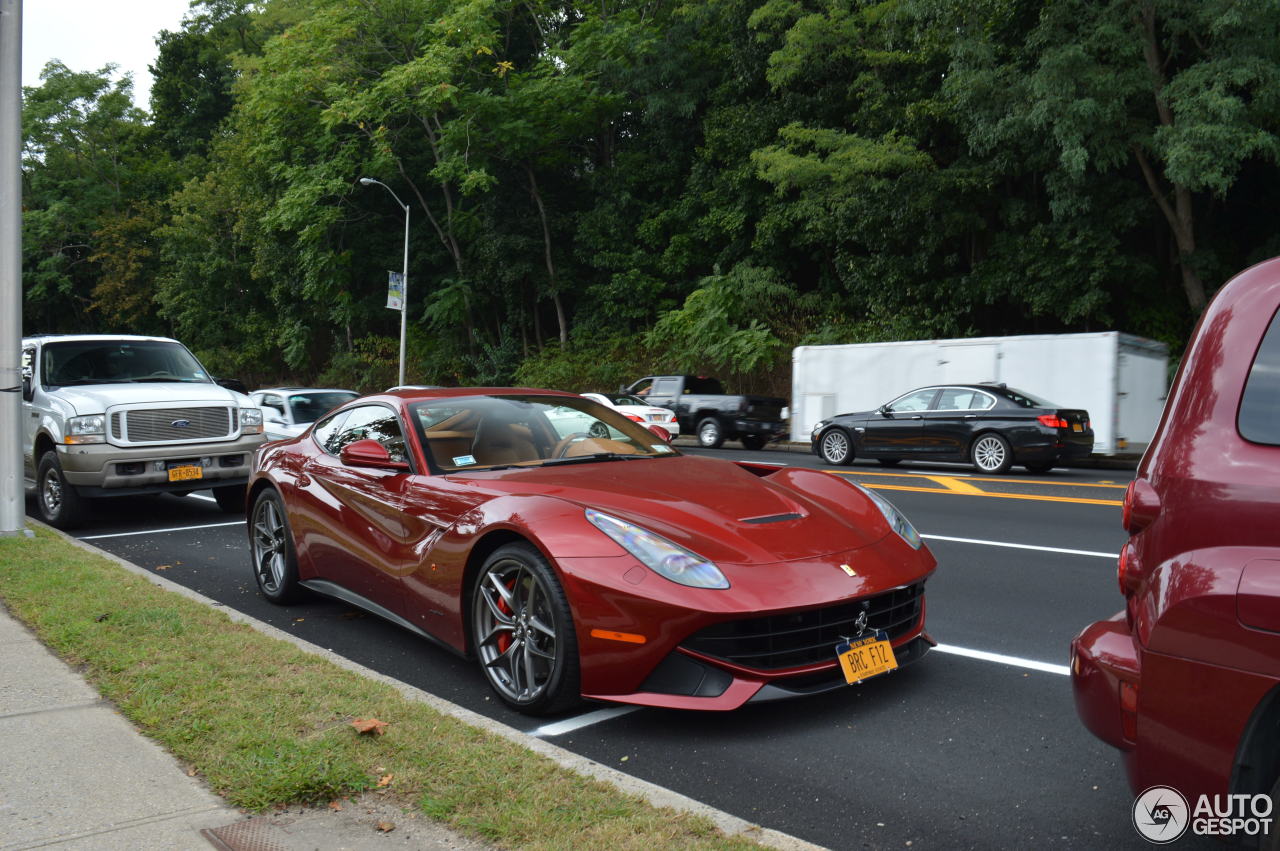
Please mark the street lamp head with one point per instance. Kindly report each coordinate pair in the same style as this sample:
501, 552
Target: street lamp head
367, 181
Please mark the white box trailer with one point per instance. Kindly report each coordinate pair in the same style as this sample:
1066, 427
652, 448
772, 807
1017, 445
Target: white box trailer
1120, 379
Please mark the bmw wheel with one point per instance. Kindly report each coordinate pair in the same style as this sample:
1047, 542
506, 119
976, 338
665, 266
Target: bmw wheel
991, 454
275, 564
836, 448
523, 632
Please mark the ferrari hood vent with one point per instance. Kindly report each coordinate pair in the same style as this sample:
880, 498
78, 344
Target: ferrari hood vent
770, 518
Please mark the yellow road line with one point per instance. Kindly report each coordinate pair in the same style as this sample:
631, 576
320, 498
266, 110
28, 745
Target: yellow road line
977, 492
956, 485
1001, 479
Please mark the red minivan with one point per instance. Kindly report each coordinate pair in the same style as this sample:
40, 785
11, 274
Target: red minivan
1186, 680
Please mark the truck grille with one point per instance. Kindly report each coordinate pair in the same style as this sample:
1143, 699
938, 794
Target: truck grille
794, 639
157, 426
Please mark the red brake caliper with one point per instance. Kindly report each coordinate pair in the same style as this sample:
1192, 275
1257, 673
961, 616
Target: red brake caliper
504, 640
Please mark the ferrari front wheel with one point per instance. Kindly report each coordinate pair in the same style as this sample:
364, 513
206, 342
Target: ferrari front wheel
523, 631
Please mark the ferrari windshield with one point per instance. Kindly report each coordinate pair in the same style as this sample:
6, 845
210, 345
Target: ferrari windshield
489, 432
74, 362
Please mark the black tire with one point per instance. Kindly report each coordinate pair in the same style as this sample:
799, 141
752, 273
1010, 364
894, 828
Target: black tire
271, 551
1039, 469
523, 632
990, 453
836, 446
710, 433
60, 504
889, 462
230, 499
753, 441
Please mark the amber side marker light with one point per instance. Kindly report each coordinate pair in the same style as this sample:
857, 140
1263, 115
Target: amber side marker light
609, 635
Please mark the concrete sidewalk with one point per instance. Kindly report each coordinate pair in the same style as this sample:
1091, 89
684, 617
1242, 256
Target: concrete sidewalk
75, 774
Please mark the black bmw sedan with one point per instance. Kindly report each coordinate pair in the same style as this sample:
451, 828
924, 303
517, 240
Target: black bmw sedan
990, 425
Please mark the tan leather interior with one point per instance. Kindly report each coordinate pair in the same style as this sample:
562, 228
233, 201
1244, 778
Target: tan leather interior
500, 442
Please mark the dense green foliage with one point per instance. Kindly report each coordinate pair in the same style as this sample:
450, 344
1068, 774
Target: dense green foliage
600, 189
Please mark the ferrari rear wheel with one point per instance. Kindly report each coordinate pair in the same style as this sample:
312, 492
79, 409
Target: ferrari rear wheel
523, 632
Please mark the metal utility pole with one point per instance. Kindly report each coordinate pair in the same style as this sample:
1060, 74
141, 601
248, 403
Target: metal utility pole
404, 277
12, 497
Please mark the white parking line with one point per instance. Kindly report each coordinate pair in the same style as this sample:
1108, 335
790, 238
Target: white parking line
568, 725
201, 496
1015, 661
1021, 546
161, 531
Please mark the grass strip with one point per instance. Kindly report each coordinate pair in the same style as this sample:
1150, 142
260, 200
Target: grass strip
267, 724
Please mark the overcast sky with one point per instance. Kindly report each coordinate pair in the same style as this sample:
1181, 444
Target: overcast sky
87, 34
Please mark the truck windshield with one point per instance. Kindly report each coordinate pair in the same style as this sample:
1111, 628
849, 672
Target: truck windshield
77, 362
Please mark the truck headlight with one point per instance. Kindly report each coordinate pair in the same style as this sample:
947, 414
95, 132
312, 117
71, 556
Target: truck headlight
660, 555
88, 429
251, 421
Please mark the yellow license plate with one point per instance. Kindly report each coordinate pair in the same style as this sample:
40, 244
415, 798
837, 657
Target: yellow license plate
864, 658
1077, 427
185, 474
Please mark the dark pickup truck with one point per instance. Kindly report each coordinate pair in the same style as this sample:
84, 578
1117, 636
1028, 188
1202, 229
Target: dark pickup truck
709, 414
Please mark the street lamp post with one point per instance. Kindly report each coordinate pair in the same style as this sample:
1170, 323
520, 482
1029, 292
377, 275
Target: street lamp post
404, 274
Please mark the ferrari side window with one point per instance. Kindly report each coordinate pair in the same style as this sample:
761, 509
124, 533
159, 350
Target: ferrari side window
1259, 416
370, 422
325, 430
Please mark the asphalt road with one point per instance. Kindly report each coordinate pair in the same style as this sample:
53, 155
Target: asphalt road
956, 751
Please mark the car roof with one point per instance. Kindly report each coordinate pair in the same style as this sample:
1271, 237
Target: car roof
458, 392
96, 337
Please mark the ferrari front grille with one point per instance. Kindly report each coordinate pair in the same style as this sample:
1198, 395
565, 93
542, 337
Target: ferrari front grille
795, 639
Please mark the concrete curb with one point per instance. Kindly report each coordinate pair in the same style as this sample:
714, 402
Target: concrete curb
656, 795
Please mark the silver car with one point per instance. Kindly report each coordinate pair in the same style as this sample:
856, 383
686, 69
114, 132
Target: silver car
287, 411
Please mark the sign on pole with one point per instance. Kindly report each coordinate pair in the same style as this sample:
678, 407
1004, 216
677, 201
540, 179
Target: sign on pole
395, 291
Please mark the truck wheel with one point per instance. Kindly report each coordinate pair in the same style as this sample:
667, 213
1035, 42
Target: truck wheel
753, 441
990, 453
61, 506
230, 499
710, 435
836, 447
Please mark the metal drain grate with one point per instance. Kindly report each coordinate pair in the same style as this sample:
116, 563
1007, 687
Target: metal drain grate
255, 834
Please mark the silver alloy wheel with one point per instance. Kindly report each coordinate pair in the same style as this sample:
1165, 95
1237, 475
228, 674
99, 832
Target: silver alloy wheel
270, 550
51, 493
835, 446
598, 429
989, 453
709, 433
515, 631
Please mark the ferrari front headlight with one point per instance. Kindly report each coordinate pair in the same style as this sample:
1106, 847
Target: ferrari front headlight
669, 560
898, 521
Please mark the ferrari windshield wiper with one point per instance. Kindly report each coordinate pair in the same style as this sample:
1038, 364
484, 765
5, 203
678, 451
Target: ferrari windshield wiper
594, 456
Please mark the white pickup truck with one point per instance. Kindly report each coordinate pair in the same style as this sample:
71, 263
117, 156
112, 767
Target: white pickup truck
109, 415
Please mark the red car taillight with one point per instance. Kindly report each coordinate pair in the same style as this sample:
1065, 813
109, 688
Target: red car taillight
634, 418
1128, 570
1053, 421
1129, 710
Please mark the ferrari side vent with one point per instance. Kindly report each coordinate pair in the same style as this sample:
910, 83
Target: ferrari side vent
770, 518
795, 639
